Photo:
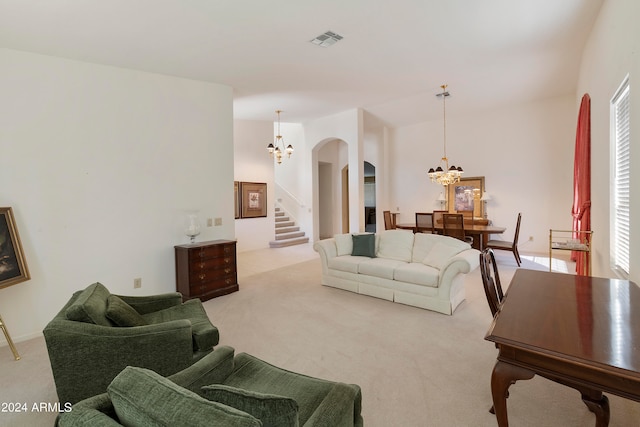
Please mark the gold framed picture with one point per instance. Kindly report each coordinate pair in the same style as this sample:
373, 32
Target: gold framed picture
236, 198
254, 199
13, 266
465, 195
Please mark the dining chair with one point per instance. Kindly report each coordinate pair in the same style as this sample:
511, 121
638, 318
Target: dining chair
506, 245
454, 227
388, 221
424, 222
438, 221
492, 286
467, 215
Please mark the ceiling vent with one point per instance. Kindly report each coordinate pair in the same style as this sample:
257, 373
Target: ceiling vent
327, 39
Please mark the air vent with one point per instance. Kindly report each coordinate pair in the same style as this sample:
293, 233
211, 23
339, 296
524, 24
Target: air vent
327, 39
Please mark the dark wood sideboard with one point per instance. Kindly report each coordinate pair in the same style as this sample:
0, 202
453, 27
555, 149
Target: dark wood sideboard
206, 270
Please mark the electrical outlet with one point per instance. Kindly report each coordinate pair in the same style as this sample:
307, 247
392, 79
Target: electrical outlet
209, 222
137, 283
218, 221
531, 238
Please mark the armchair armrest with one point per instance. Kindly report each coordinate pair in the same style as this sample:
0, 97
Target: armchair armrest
341, 407
86, 357
149, 304
213, 368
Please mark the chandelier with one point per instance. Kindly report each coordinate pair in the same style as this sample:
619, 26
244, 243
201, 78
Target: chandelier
277, 147
447, 175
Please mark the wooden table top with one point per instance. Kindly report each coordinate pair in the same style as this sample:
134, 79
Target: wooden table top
588, 320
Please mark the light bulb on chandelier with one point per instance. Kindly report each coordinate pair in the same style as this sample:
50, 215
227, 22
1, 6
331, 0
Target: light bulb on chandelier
447, 175
277, 148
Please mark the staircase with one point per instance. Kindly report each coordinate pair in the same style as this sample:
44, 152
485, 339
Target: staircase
287, 233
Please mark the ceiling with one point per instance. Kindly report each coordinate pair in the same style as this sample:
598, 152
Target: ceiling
394, 56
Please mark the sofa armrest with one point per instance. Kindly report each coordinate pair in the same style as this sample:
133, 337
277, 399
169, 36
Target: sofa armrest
149, 304
464, 262
341, 407
327, 249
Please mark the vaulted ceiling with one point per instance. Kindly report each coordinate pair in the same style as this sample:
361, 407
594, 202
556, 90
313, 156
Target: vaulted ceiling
392, 59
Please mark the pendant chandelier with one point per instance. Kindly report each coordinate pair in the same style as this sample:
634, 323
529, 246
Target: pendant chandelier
445, 175
277, 148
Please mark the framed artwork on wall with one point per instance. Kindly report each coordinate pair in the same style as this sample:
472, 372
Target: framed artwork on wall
253, 202
465, 196
13, 266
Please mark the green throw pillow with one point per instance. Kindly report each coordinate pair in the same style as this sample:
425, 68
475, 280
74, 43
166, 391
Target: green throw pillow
142, 397
122, 314
364, 245
90, 306
272, 410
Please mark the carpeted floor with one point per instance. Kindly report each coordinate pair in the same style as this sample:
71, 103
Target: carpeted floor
415, 367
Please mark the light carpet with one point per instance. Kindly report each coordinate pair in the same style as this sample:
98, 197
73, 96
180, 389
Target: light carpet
415, 367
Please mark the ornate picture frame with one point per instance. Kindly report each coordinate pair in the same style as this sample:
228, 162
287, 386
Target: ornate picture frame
236, 198
13, 266
465, 195
253, 202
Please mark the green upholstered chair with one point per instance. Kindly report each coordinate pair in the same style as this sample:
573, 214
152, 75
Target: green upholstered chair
220, 390
97, 334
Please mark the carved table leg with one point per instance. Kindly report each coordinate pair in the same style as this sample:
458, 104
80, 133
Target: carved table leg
599, 405
503, 375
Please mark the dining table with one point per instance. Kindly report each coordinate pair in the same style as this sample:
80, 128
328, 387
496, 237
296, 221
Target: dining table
582, 332
479, 232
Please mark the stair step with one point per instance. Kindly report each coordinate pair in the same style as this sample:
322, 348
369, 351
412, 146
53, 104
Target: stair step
284, 224
281, 230
282, 218
288, 242
278, 213
284, 236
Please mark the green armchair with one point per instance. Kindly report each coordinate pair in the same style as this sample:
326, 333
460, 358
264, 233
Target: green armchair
97, 334
220, 390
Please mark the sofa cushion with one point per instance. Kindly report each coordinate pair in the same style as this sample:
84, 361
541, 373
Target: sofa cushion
422, 245
271, 409
344, 244
122, 314
364, 245
443, 251
418, 273
346, 263
141, 397
379, 267
396, 244
90, 306
205, 335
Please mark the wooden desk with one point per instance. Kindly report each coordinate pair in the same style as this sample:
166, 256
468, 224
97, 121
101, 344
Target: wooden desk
479, 232
580, 331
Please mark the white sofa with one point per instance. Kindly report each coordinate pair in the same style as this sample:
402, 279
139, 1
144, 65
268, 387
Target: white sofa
421, 270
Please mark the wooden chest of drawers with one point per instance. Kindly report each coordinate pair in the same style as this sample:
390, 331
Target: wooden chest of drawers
206, 270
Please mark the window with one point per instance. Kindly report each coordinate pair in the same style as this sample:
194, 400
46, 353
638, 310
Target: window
620, 141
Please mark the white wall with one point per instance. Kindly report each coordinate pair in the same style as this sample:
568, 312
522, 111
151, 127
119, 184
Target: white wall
100, 165
609, 55
525, 153
253, 164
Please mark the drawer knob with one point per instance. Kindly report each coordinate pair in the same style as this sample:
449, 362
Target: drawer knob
202, 276
227, 270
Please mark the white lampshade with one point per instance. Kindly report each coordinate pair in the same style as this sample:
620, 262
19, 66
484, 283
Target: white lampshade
441, 198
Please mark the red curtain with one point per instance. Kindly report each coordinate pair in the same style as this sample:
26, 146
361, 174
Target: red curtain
581, 209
